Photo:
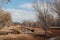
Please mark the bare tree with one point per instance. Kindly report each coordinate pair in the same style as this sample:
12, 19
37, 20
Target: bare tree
45, 19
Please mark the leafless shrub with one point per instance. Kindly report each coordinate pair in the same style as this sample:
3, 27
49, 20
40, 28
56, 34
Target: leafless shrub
5, 18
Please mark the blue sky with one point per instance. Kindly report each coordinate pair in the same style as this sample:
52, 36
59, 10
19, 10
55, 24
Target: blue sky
20, 10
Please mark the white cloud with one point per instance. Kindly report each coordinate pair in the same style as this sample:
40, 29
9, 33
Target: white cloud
19, 15
26, 5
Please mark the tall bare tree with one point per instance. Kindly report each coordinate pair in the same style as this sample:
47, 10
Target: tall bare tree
45, 19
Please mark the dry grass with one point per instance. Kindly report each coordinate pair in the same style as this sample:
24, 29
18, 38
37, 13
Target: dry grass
20, 37
16, 37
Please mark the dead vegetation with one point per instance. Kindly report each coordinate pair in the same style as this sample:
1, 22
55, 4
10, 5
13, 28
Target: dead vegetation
20, 37
8, 33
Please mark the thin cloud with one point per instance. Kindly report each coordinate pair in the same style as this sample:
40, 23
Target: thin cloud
19, 15
26, 5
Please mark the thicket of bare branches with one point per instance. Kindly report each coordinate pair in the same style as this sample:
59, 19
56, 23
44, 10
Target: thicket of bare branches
46, 11
56, 8
26, 23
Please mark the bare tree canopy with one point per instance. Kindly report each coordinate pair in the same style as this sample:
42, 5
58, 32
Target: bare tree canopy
43, 9
48, 12
56, 8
